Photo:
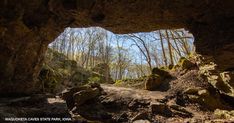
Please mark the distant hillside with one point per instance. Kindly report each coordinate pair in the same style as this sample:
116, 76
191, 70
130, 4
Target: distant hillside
59, 72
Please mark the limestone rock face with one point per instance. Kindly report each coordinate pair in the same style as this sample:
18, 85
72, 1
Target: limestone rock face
27, 26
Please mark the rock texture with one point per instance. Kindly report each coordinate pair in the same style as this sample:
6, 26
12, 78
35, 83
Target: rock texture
27, 26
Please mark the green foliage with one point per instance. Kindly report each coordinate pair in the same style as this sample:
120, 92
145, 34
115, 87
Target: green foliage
50, 78
185, 63
94, 79
118, 82
170, 67
153, 76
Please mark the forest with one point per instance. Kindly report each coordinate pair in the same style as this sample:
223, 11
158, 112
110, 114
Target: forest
128, 55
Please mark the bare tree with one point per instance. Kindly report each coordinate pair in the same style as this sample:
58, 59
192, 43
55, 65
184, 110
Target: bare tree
142, 46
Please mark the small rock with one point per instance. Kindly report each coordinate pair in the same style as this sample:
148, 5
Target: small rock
141, 121
224, 114
193, 98
193, 91
160, 108
123, 117
178, 110
203, 93
141, 115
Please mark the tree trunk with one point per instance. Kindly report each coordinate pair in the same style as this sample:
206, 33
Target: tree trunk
163, 50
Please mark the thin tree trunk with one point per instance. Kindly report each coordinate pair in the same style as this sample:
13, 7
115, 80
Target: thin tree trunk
183, 41
175, 41
164, 54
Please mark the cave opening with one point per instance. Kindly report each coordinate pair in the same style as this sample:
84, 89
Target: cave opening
117, 56
135, 66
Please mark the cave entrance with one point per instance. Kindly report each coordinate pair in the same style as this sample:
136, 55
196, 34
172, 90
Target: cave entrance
122, 56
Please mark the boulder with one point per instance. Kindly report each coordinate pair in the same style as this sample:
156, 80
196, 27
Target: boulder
153, 82
162, 73
67, 95
185, 64
82, 96
69, 92
79, 95
193, 91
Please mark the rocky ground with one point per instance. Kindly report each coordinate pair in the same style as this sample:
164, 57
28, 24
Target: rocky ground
178, 104
109, 105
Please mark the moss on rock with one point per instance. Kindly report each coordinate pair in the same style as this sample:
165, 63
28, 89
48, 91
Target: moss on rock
185, 64
161, 72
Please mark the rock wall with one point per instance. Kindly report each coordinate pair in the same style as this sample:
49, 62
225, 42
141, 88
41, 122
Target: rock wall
27, 26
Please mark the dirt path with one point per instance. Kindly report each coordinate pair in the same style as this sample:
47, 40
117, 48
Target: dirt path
122, 92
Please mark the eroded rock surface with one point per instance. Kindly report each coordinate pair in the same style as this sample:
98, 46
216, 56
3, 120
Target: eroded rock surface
28, 26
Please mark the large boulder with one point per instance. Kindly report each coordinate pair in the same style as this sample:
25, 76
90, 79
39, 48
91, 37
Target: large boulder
161, 72
84, 95
153, 82
77, 96
67, 95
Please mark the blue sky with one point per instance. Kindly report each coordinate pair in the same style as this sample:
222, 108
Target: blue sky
127, 43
